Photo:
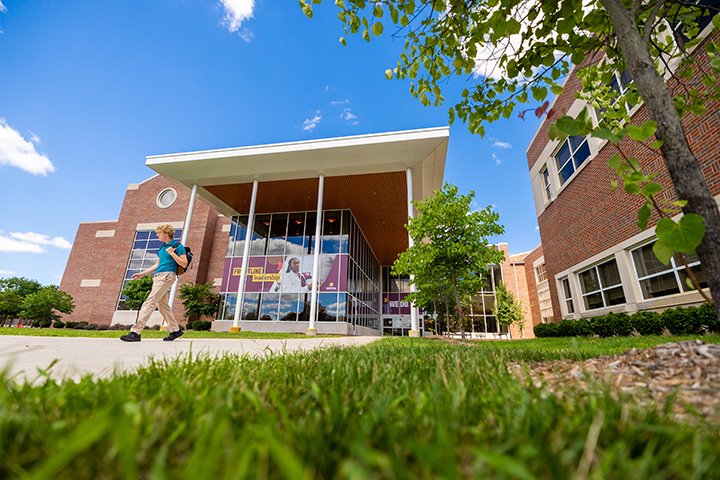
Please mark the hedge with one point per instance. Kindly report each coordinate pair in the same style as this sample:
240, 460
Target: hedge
678, 321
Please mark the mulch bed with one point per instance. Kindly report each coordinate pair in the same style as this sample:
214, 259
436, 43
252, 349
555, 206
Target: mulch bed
690, 370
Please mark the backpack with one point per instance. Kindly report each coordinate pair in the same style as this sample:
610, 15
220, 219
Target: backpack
189, 256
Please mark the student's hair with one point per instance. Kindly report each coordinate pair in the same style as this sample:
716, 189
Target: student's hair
166, 229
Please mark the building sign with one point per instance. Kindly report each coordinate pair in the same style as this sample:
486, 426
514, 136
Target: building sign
288, 274
395, 304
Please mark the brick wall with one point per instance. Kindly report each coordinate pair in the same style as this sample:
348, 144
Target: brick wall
533, 304
106, 258
587, 217
515, 279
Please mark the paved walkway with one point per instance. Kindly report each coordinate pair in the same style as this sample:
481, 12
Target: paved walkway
24, 356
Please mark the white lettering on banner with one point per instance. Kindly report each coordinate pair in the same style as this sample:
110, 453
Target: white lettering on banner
398, 304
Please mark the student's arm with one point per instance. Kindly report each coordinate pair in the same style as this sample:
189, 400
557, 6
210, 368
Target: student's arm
148, 271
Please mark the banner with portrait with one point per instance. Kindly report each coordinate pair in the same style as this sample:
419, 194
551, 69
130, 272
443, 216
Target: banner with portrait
287, 274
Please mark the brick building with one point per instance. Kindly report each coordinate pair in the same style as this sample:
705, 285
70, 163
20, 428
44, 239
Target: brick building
268, 207
595, 258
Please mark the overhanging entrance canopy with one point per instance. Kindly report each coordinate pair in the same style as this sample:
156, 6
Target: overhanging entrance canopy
364, 173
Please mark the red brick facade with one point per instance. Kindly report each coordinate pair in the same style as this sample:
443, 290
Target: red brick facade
104, 257
587, 217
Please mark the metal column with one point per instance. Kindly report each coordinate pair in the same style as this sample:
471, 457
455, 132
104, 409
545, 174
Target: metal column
312, 331
414, 326
246, 254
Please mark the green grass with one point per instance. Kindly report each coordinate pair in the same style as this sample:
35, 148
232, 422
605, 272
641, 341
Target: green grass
398, 408
63, 332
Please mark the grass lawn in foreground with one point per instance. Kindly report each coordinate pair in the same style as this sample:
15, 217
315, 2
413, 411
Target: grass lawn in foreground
397, 408
147, 333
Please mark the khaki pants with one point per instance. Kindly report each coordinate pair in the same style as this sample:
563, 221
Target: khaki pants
158, 298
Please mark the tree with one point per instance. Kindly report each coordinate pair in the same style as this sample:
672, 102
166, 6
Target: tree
41, 306
518, 51
199, 300
12, 292
451, 252
508, 310
136, 292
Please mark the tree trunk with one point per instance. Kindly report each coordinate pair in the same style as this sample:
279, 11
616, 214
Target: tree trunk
447, 318
459, 309
683, 167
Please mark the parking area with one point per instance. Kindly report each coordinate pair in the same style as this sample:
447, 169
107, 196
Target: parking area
24, 358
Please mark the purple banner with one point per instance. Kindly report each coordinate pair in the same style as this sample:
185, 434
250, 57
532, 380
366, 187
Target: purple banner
290, 274
395, 304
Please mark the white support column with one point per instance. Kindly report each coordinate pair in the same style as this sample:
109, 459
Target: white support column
312, 331
183, 240
414, 324
240, 301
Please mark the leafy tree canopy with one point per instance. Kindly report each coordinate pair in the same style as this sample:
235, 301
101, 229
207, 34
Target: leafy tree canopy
12, 292
136, 292
521, 51
44, 304
451, 250
508, 310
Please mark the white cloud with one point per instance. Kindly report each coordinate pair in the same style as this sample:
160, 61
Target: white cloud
236, 12
8, 244
501, 144
15, 151
537, 228
2, 7
6, 272
344, 101
246, 35
40, 239
310, 123
497, 159
349, 116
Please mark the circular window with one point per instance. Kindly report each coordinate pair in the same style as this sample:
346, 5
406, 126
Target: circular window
166, 198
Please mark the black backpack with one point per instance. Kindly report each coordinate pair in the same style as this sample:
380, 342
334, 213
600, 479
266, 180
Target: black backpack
189, 255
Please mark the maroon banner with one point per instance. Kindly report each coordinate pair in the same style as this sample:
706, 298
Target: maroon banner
395, 304
289, 274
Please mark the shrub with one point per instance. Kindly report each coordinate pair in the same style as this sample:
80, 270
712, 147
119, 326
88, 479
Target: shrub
79, 325
682, 321
708, 317
41, 323
58, 324
546, 330
199, 325
602, 326
647, 323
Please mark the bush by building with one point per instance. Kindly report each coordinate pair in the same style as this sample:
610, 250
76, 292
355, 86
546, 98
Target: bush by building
678, 321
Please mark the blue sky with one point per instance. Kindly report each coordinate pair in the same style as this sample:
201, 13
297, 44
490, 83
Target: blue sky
88, 89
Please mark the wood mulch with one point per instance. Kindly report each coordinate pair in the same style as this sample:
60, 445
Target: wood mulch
690, 370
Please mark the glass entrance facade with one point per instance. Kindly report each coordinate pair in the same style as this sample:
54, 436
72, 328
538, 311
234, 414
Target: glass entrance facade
279, 279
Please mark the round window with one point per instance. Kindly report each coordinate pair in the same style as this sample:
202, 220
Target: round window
166, 198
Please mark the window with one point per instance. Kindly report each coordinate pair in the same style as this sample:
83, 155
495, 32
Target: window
573, 152
569, 306
540, 273
601, 286
546, 181
658, 280
166, 198
696, 12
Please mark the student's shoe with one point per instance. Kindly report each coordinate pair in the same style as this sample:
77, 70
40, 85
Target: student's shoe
130, 337
173, 335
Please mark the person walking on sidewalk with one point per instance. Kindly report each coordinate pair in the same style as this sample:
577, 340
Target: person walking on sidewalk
170, 255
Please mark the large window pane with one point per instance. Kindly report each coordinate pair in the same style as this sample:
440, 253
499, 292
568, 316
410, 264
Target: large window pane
269, 306
659, 286
646, 263
593, 301
609, 275
614, 296
288, 307
327, 307
260, 233
278, 231
251, 306
589, 281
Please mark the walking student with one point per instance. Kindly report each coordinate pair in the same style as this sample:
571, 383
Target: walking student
171, 254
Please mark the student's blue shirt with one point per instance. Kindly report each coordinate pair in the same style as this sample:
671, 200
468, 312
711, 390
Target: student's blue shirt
167, 264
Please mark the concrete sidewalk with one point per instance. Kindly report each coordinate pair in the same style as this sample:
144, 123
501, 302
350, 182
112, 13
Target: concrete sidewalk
23, 356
